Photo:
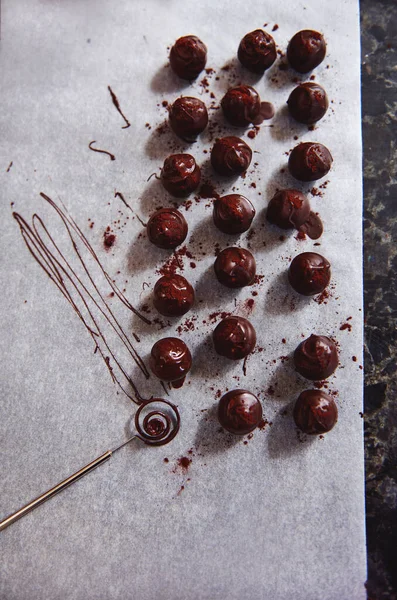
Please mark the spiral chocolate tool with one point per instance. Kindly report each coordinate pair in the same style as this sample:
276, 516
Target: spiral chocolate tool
157, 422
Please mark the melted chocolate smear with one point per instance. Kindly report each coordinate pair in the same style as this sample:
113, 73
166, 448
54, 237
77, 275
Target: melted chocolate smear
124, 201
9, 167
313, 226
178, 384
112, 156
117, 105
267, 112
85, 302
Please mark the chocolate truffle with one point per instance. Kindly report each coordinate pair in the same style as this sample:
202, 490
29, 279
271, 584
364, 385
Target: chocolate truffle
180, 175
173, 295
316, 357
315, 412
306, 50
257, 51
167, 228
234, 337
188, 57
308, 103
170, 360
309, 161
241, 105
233, 213
235, 267
230, 156
288, 209
309, 273
239, 412
188, 118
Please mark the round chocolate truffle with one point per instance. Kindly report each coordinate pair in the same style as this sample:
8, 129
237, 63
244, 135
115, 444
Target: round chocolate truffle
308, 103
288, 209
230, 156
170, 360
173, 295
234, 337
306, 50
188, 57
180, 175
309, 273
241, 105
315, 412
167, 228
239, 412
309, 161
235, 267
316, 357
233, 213
257, 51
188, 118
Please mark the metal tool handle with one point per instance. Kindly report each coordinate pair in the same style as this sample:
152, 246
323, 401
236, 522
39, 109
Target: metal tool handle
59, 487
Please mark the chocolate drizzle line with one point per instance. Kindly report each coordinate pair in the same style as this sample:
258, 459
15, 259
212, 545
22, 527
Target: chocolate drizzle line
84, 302
117, 105
124, 201
9, 167
112, 156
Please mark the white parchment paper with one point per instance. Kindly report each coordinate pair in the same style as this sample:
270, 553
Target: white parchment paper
278, 517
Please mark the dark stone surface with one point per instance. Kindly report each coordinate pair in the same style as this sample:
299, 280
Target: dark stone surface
379, 101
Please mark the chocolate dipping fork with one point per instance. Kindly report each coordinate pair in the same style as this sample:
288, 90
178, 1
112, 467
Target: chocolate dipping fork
157, 422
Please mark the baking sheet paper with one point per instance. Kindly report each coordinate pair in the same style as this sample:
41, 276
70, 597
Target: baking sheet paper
278, 517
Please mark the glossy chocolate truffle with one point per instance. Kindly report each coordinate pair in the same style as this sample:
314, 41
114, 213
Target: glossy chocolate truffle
167, 228
188, 118
235, 267
180, 175
170, 360
309, 273
306, 50
288, 209
309, 161
316, 358
188, 57
257, 51
173, 295
308, 103
315, 412
233, 213
230, 156
239, 412
241, 106
234, 337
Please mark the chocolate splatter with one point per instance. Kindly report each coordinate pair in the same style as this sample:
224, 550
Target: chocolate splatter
117, 105
112, 156
9, 167
124, 201
88, 304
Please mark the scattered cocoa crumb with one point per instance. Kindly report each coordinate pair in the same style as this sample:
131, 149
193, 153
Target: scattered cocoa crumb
108, 239
345, 326
354, 358
275, 27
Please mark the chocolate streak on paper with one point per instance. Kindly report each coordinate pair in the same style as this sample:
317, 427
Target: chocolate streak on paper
124, 201
117, 105
112, 156
84, 302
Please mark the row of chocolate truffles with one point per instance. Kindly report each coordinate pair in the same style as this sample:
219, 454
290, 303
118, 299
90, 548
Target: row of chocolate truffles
242, 106
231, 157
239, 411
233, 214
309, 274
257, 52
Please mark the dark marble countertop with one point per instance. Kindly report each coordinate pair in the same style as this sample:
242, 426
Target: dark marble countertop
379, 102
